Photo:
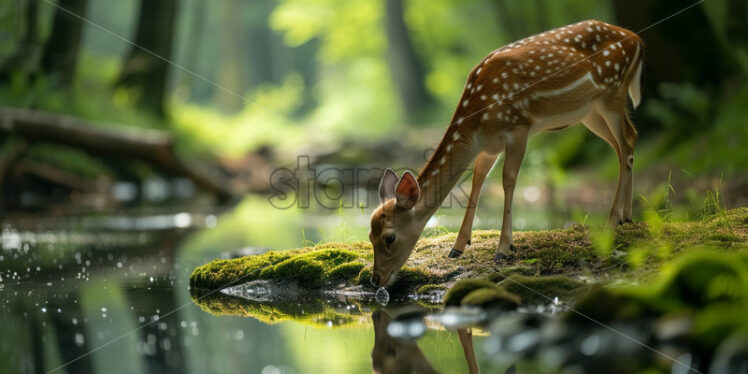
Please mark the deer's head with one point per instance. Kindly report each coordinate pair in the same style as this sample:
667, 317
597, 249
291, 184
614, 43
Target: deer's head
395, 229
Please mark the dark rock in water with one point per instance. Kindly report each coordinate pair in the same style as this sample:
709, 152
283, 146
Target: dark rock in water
407, 322
408, 312
453, 317
732, 355
515, 334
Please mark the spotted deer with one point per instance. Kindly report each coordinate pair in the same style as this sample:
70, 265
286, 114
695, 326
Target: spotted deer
576, 73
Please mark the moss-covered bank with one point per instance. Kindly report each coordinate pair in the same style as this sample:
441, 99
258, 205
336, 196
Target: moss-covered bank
570, 252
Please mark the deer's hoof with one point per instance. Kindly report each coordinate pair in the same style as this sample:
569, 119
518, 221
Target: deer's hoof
454, 253
500, 256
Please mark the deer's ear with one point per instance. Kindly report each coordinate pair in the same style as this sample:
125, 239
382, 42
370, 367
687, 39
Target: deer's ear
387, 185
407, 191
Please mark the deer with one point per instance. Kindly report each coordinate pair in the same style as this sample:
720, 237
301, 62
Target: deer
584, 72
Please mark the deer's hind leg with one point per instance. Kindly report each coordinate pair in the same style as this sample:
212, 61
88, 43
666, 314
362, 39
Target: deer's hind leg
516, 143
483, 164
595, 122
623, 132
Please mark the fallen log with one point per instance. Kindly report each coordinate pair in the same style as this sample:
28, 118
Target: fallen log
153, 147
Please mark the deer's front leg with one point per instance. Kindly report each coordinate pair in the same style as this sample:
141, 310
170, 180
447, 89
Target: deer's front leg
516, 143
483, 165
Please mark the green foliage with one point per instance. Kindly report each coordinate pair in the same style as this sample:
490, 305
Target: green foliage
695, 124
709, 288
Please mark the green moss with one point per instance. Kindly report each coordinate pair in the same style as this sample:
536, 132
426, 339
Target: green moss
491, 297
309, 268
301, 269
223, 273
409, 279
537, 290
344, 272
463, 287
363, 277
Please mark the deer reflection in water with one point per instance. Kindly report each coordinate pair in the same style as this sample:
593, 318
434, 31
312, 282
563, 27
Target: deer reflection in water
392, 355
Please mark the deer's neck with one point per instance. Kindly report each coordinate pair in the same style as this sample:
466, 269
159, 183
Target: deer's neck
449, 161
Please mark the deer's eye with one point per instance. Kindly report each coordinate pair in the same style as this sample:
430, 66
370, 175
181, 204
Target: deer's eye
389, 239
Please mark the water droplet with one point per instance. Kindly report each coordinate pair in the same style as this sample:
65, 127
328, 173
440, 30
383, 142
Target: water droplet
79, 339
382, 296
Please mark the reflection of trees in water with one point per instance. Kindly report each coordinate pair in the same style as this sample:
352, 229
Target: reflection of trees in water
160, 341
71, 340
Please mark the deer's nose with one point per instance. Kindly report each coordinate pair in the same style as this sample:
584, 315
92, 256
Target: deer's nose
374, 280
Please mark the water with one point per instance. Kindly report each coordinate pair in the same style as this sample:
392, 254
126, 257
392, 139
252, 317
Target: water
110, 294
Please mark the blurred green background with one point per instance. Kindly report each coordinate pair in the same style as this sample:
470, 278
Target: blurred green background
252, 85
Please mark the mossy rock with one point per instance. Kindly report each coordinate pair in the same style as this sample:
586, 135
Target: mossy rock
300, 269
537, 290
463, 287
560, 251
219, 274
310, 268
344, 272
363, 277
490, 297
410, 279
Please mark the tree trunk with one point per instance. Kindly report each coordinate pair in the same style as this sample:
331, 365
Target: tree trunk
61, 50
24, 59
230, 72
143, 70
196, 28
405, 67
